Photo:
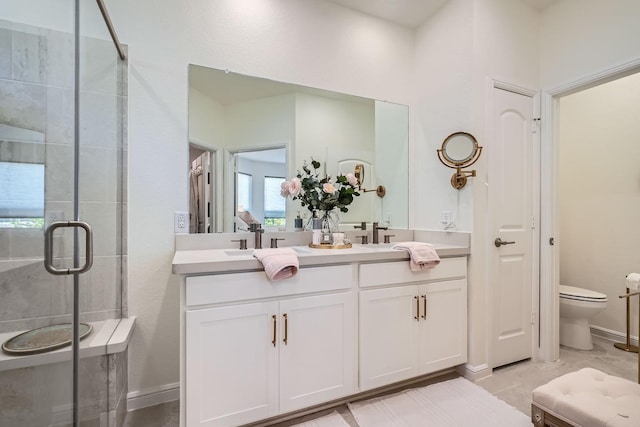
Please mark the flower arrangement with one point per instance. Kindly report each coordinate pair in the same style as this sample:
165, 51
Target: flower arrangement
321, 194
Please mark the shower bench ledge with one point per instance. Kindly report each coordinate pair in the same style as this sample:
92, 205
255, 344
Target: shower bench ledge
108, 337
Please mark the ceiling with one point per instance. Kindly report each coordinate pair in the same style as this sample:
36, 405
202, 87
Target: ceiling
409, 13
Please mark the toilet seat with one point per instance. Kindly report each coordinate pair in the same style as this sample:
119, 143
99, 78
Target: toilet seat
581, 294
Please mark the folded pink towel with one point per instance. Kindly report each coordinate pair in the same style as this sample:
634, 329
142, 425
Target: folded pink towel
279, 263
422, 255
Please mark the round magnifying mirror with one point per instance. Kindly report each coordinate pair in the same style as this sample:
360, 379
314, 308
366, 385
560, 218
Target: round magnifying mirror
459, 148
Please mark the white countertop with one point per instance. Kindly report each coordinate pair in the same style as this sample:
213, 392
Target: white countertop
201, 261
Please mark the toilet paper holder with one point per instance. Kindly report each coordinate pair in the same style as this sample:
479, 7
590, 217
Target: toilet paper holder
632, 282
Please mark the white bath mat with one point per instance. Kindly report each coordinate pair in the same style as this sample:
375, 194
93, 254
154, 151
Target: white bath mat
453, 403
332, 420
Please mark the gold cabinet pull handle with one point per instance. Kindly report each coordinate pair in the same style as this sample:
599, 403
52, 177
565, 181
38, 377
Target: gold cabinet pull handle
273, 341
417, 316
286, 327
424, 306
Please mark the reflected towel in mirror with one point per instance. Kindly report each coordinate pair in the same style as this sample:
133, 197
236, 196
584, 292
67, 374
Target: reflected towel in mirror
279, 263
422, 255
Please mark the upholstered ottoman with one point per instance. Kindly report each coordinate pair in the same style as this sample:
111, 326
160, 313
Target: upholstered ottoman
587, 398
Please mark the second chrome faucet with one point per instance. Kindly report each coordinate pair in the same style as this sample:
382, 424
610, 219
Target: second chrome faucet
376, 234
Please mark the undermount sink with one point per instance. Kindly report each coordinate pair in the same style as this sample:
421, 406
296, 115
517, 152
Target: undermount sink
302, 249
239, 252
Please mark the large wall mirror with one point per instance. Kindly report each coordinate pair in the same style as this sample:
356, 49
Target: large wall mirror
248, 134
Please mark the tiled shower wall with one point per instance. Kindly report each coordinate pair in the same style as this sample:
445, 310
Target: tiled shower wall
37, 126
41, 395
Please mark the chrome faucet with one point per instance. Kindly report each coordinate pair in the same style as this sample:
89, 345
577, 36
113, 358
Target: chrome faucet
257, 233
376, 237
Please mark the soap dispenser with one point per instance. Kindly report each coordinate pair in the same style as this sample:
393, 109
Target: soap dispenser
298, 223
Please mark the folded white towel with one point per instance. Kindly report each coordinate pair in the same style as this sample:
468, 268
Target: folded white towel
279, 263
422, 255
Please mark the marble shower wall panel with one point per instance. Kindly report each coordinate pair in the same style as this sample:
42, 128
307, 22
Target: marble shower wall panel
100, 291
41, 395
18, 395
98, 120
29, 53
26, 296
5, 49
118, 388
59, 176
23, 152
23, 107
59, 115
99, 174
100, 68
60, 59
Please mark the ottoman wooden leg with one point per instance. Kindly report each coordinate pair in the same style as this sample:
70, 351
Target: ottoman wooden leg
540, 418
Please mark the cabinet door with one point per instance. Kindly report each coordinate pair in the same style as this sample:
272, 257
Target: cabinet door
232, 365
443, 325
388, 336
317, 361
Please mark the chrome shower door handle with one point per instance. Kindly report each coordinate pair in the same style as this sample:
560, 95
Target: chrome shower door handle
499, 242
48, 247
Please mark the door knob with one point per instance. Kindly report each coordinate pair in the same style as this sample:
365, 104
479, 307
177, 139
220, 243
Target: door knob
499, 242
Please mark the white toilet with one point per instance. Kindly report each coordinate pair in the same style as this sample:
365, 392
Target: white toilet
577, 306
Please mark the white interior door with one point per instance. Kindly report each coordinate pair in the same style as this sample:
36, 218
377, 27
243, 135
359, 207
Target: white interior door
513, 222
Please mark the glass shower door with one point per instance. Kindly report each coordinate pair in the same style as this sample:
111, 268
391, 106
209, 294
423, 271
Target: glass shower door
62, 158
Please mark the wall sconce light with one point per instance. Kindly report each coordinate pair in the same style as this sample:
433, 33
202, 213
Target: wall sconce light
359, 174
459, 150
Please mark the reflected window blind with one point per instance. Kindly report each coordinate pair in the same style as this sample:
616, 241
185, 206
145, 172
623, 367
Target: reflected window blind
21, 190
274, 203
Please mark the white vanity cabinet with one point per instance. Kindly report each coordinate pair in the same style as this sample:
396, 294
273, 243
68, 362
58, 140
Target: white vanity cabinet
411, 323
273, 350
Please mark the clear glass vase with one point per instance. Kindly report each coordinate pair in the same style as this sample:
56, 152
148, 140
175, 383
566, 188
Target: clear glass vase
330, 221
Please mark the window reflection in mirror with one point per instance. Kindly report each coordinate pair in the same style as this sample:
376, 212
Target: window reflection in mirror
258, 175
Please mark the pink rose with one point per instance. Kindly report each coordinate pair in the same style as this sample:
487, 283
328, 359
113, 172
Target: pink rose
351, 179
284, 188
328, 188
295, 186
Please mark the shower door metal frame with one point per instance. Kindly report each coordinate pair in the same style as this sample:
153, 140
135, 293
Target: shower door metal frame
76, 223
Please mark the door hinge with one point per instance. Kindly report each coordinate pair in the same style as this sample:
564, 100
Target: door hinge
533, 222
535, 123
533, 318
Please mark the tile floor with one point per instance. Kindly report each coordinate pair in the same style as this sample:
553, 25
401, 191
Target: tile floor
512, 383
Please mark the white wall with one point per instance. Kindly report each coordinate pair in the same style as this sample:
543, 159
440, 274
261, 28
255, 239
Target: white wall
485, 39
580, 37
598, 193
207, 125
442, 105
312, 43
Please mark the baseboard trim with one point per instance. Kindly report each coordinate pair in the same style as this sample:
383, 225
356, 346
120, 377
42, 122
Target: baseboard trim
153, 396
474, 373
611, 335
